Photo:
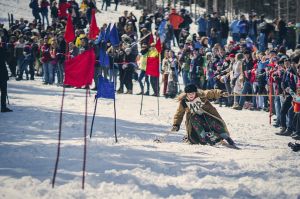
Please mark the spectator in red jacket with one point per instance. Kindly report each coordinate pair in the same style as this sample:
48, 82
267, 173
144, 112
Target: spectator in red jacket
46, 59
63, 6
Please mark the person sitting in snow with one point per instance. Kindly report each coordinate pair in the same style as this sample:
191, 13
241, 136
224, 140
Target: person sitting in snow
203, 123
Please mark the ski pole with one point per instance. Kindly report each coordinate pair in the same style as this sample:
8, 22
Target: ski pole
7, 99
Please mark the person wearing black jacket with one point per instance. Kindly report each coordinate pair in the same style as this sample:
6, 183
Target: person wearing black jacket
11, 58
90, 6
187, 20
196, 64
119, 59
288, 84
34, 5
3, 77
123, 21
224, 30
54, 11
128, 68
107, 4
252, 28
142, 21
60, 53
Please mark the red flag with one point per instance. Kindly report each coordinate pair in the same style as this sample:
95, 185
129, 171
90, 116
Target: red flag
152, 66
158, 45
80, 69
151, 39
94, 30
69, 34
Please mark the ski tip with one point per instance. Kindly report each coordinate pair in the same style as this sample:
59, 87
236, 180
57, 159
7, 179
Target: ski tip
234, 147
157, 140
231, 146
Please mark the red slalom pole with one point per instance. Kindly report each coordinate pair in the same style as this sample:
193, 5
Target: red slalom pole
270, 98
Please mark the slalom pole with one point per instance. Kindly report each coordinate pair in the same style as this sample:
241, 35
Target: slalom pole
157, 95
84, 137
158, 90
270, 100
91, 131
115, 114
60, 126
59, 138
115, 111
142, 96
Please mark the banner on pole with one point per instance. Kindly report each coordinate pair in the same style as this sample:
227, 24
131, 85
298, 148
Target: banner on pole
105, 89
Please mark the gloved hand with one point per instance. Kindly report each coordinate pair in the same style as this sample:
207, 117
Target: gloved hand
175, 128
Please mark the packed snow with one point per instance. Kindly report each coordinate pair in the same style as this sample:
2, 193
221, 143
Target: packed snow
135, 167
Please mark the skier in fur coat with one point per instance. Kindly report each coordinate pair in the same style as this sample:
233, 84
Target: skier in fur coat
204, 124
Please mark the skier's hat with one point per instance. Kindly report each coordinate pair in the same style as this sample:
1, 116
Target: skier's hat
191, 88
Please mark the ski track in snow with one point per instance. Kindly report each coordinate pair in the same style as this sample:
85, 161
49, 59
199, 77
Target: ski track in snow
136, 167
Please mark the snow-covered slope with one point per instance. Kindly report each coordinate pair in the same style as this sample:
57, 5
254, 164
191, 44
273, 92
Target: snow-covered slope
136, 167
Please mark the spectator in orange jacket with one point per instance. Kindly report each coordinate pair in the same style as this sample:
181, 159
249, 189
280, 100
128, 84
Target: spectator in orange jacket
175, 21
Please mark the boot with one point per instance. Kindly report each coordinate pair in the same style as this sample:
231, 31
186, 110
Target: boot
119, 91
294, 146
5, 110
185, 139
140, 93
281, 131
19, 78
237, 107
294, 134
129, 92
297, 137
288, 132
147, 93
230, 141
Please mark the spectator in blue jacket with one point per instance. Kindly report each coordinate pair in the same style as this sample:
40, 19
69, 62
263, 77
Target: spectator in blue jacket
235, 30
202, 25
244, 27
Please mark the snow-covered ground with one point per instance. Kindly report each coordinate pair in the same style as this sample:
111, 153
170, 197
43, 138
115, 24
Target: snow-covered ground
135, 167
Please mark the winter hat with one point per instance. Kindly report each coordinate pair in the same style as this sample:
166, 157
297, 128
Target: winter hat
208, 54
232, 55
190, 88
